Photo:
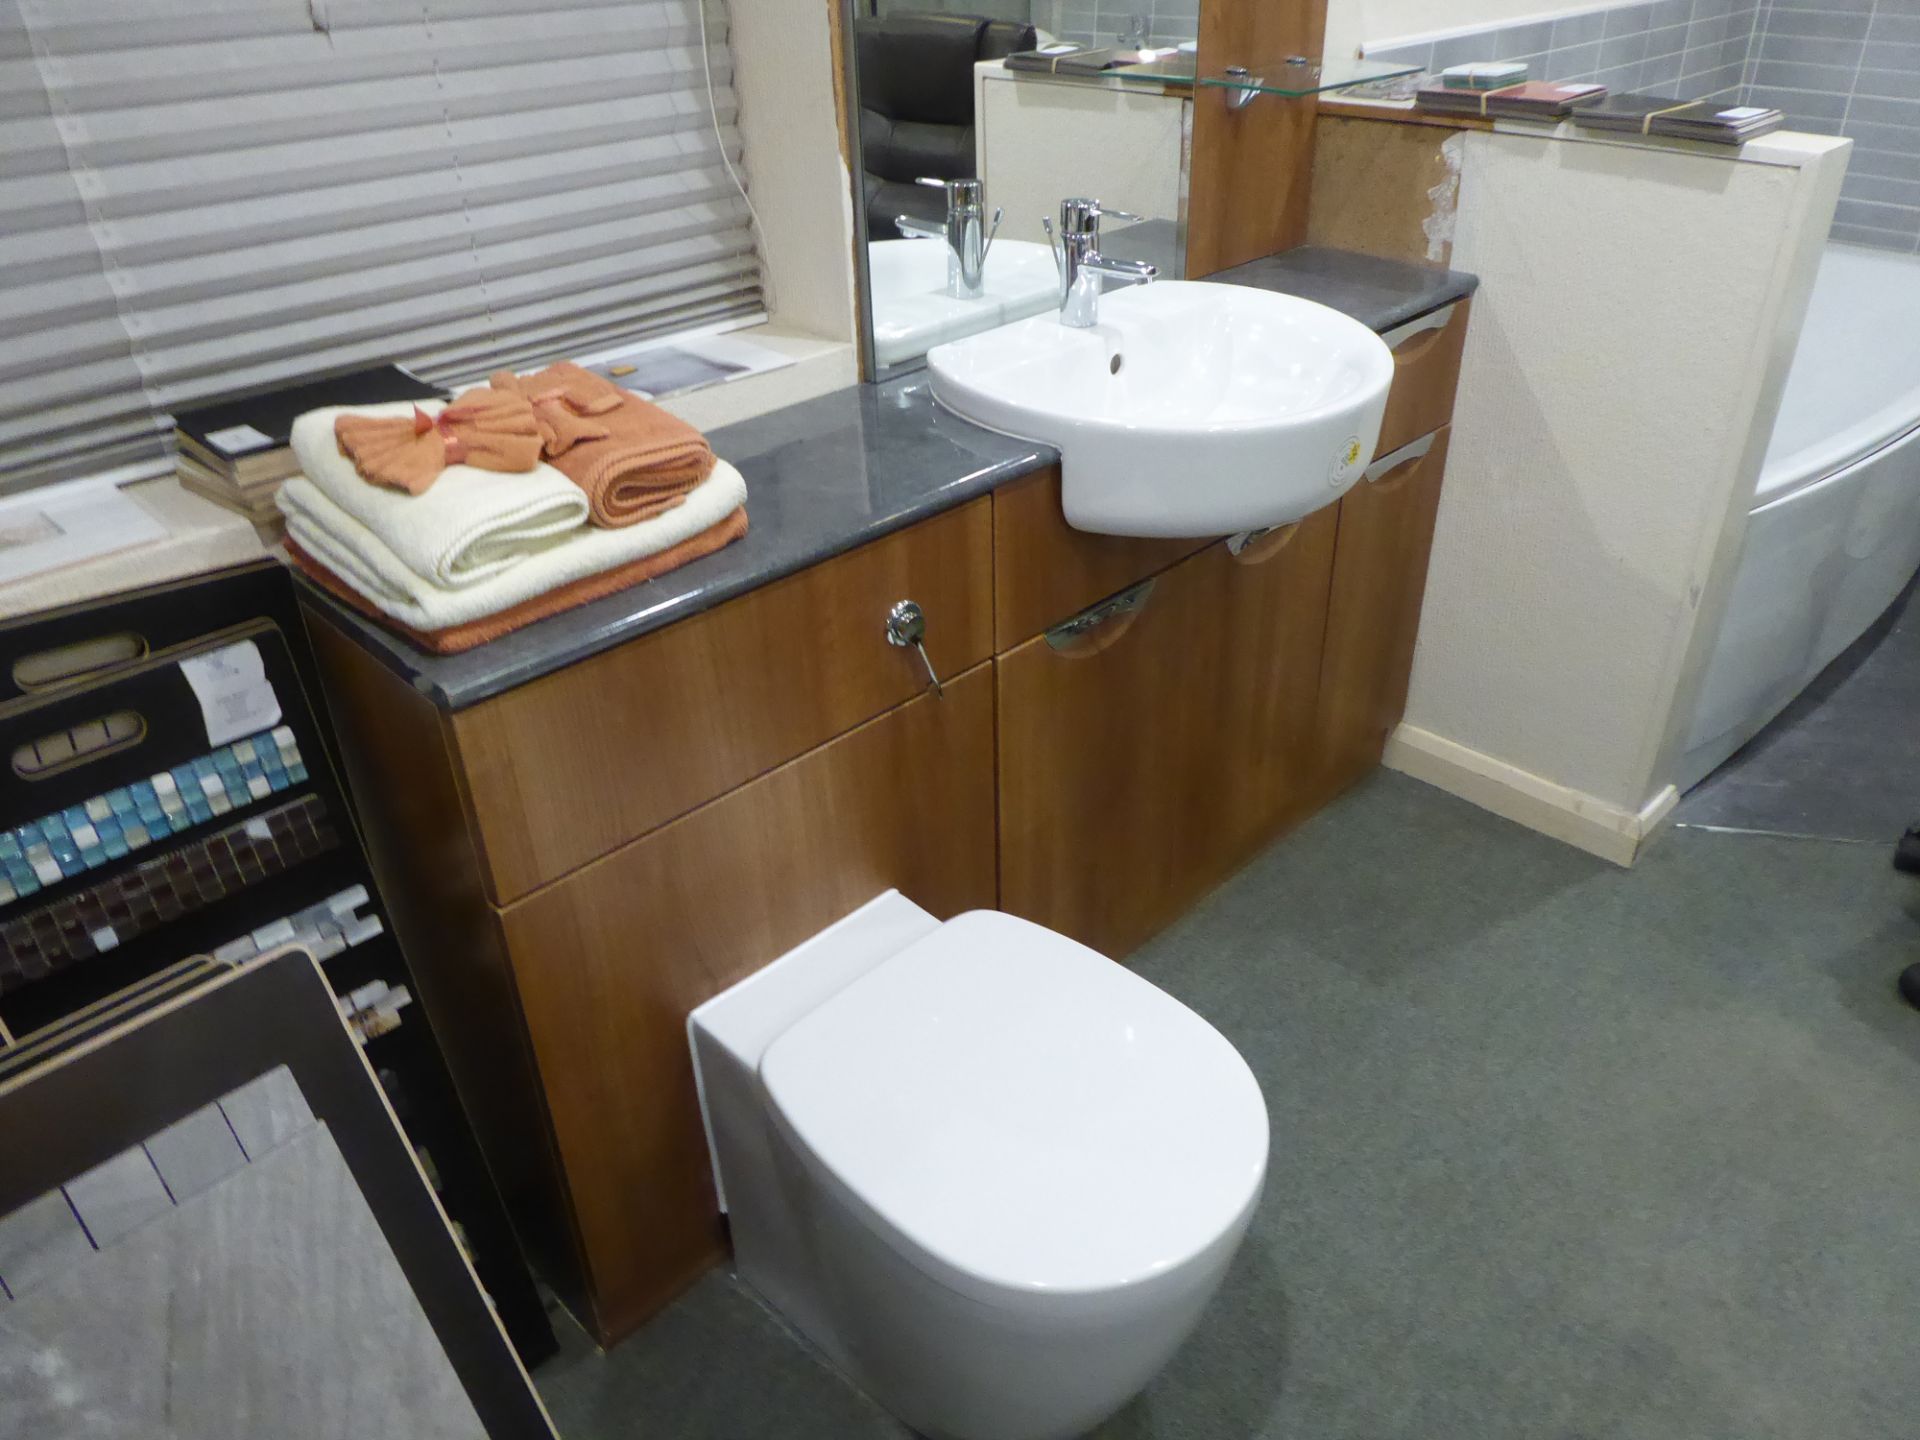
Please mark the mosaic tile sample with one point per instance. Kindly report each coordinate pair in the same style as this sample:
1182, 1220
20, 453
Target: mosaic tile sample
323, 930
162, 889
107, 827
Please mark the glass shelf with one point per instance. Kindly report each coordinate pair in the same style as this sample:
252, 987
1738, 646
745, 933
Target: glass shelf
1293, 78
1286, 77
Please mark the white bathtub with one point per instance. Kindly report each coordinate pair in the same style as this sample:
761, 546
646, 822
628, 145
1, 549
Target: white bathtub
1835, 531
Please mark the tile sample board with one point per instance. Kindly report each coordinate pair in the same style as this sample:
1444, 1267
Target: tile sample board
212, 1226
268, 1304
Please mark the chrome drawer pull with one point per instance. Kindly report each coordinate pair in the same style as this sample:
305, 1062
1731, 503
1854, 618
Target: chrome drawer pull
1432, 320
1094, 616
1387, 464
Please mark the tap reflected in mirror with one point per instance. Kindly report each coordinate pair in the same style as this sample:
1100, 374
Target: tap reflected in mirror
963, 117
967, 235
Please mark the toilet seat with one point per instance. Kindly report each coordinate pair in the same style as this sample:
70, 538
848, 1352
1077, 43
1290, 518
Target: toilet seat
1017, 1115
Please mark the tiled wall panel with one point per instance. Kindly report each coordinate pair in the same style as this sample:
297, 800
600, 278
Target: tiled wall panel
1102, 22
1689, 48
1835, 67
1852, 67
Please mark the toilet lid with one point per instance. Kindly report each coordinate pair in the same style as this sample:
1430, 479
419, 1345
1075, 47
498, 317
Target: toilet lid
1026, 1112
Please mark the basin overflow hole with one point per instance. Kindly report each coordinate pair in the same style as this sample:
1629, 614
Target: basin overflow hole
1113, 365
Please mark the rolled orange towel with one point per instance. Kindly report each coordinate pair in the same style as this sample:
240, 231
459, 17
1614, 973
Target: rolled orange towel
456, 638
632, 458
486, 428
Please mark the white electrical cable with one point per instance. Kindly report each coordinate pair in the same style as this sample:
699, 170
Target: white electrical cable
713, 113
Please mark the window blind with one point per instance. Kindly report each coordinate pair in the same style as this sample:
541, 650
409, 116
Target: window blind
211, 196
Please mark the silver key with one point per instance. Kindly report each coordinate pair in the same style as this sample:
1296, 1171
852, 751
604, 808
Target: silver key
907, 625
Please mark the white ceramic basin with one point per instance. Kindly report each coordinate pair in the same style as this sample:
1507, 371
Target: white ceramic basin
1190, 410
912, 311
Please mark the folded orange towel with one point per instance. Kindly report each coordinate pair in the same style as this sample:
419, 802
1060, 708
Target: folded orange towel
486, 428
632, 458
456, 638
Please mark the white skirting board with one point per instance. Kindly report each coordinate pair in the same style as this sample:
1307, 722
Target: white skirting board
1594, 825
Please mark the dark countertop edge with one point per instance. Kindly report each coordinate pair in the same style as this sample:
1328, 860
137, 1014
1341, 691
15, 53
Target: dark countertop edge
1318, 273
404, 659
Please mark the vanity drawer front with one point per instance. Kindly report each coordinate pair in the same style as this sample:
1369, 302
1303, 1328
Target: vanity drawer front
1045, 570
565, 769
1426, 367
1152, 744
1373, 615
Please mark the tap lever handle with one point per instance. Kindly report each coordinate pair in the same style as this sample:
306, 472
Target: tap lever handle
1081, 215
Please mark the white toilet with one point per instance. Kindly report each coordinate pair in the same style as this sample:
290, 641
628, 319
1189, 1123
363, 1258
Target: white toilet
993, 1175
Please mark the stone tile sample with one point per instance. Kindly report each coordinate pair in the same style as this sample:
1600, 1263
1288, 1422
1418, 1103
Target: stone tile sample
196, 1153
118, 1196
41, 1238
269, 1305
267, 1112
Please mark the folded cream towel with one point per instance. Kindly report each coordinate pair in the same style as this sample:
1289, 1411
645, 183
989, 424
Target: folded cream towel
471, 526
353, 552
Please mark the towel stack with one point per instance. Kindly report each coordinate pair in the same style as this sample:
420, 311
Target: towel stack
459, 523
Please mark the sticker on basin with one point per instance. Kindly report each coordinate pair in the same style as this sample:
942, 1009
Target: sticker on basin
1345, 462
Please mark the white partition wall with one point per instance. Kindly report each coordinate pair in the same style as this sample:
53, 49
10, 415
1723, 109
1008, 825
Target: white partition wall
1637, 313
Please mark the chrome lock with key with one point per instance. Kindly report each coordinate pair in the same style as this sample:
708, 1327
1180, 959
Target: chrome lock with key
907, 625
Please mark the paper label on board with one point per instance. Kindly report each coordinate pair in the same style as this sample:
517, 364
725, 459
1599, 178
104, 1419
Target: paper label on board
235, 696
238, 439
1741, 112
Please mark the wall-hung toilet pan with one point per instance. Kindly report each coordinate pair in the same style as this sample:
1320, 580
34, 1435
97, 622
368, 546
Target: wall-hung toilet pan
993, 1175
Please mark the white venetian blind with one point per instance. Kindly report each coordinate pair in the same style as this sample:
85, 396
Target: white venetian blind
199, 197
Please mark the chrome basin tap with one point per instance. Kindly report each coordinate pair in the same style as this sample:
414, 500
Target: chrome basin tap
966, 232
1081, 266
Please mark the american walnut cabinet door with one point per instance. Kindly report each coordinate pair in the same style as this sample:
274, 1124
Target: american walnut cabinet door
1151, 749
1373, 615
609, 960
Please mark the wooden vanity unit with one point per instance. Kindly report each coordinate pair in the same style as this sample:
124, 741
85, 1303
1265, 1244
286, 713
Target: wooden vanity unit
575, 863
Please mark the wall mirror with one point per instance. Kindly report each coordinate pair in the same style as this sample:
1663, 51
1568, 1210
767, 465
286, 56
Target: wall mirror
974, 119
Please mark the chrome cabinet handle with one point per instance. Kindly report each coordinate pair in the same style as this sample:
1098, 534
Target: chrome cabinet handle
1094, 616
1386, 464
907, 625
1432, 320
1238, 543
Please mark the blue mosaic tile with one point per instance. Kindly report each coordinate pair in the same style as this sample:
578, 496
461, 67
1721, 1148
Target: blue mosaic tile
82, 837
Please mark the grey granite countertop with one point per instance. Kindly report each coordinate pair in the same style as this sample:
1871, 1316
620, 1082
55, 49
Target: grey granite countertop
1376, 292
822, 477
829, 474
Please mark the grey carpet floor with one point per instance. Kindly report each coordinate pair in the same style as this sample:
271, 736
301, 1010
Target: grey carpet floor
1842, 762
1559, 1150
